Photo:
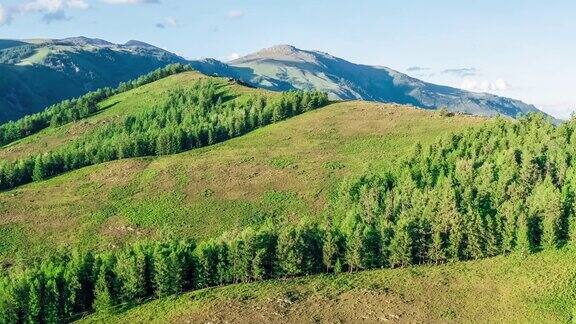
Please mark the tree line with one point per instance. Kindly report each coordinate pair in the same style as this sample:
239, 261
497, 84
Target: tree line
77, 108
498, 188
502, 187
199, 115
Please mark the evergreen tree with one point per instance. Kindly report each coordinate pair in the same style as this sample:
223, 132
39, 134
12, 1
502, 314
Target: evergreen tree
106, 285
167, 271
290, 252
402, 245
332, 250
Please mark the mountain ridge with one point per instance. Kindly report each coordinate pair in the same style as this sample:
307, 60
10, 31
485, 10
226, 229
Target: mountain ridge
32, 68
346, 80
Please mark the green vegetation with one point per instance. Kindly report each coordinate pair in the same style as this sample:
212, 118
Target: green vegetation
204, 192
76, 109
14, 55
196, 117
435, 207
501, 187
503, 289
504, 187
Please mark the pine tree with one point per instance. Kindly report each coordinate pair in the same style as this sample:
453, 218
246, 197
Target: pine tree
131, 276
290, 252
354, 249
402, 246
35, 298
8, 305
39, 171
332, 248
52, 311
207, 256
546, 204
167, 271
438, 252
106, 286
386, 236
371, 248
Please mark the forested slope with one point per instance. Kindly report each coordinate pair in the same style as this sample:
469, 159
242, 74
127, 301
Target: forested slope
398, 219
501, 187
514, 288
284, 171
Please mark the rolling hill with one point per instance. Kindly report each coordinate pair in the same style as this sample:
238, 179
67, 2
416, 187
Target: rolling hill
37, 73
287, 170
293, 169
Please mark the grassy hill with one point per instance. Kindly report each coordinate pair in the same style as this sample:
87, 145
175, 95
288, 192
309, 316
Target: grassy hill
287, 171
284, 172
510, 289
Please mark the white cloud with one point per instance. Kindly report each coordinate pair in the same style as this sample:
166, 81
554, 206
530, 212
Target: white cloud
78, 4
233, 56
483, 86
168, 22
172, 22
51, 10
5, 15
50, 6
233, 14
129, 2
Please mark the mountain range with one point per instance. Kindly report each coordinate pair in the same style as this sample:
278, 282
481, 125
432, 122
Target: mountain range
40, 72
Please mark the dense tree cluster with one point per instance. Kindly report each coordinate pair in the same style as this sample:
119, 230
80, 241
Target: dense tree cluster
506, 186
14, 55
71, 284
503, 187
78, 108
197, 116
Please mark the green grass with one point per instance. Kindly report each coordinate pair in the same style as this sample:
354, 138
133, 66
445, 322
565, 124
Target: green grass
111, 110
540, 288
284, 171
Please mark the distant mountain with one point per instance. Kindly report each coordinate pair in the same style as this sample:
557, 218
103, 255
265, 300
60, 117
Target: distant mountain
303, 69
37, 73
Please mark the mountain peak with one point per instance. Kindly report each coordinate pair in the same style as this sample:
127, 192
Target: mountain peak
82, 40
280, 49
137, 43
283, 52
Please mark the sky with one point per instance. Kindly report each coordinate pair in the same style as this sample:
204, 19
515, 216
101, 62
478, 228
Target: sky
523, 49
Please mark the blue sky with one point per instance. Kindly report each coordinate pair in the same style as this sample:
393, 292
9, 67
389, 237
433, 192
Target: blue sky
523, 49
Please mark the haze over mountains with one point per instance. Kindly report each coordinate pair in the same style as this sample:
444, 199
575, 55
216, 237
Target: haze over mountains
37, 73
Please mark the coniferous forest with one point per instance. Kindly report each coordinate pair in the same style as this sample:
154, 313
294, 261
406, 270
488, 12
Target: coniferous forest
506, 186
77, 108
194, 117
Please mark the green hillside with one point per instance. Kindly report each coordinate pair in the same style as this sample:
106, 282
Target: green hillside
539, 288
218, 184
286, 170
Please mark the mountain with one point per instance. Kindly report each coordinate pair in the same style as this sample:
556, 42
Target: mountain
344, 80
40, 72
37, 73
